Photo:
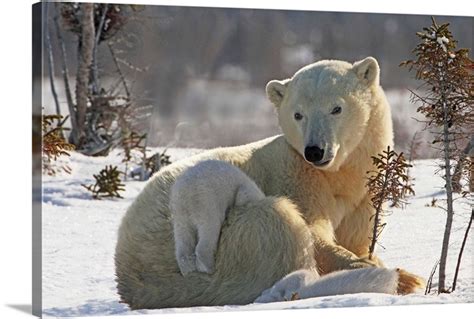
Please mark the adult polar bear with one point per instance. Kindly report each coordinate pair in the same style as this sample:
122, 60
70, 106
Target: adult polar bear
334, 115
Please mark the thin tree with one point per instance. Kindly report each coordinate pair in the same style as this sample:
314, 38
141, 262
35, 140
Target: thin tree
100, 117
49, 48
458, 264
388, 182
95, 67
446, 102
430, 278
64, 68
415, 144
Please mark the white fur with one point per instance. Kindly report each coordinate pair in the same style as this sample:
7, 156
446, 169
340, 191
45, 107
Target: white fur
288, 285
307, 284
318, 212
199, 201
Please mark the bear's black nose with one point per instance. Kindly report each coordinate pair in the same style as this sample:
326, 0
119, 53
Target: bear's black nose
313, 154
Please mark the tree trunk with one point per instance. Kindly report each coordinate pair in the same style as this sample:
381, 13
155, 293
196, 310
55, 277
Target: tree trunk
378, 214
85, 53
449, 199
375, 230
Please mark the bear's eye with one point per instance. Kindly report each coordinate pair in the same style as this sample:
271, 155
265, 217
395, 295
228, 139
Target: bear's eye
298, 116
336, 110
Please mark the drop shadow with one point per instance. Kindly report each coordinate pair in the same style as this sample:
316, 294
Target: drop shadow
25, 308
93, 307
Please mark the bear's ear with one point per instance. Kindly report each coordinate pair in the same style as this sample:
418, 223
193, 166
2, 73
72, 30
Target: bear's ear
276, 91
367, 70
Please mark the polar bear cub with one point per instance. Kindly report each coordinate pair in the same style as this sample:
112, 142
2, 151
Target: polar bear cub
307, 283
205, 192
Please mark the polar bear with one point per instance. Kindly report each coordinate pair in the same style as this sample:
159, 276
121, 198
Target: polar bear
307, 283
317, 213
199, 201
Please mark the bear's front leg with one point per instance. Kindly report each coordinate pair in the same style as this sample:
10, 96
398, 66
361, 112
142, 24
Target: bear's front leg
330, 254
355, 233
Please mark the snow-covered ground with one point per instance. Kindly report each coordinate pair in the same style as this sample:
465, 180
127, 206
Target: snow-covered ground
79, 236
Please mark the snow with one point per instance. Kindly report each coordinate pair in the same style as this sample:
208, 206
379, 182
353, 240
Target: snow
79, 236
442, 40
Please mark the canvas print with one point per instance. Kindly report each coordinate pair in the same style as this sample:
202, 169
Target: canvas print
191, 159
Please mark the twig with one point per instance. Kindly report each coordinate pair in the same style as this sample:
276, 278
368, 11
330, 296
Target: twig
430, 278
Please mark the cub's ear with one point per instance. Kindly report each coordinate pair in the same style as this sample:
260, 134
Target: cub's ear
367, 70
276, 90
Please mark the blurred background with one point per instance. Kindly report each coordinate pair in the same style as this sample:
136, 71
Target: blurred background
197, 75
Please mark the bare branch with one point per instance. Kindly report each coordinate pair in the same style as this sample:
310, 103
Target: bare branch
114, 58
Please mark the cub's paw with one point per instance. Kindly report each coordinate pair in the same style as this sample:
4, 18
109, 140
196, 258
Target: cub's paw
409, 283
187, 264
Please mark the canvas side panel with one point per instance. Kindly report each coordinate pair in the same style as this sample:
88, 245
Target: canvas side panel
37, 65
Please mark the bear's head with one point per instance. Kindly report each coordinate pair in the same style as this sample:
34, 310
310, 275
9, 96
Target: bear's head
324, 109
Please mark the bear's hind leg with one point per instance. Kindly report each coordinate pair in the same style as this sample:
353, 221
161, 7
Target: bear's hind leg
260, 243
185, 244
208, 238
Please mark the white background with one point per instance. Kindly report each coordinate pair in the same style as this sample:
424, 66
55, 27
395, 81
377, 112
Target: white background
15, 151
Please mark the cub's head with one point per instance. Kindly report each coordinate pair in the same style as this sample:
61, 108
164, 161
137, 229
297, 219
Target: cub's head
323, 110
